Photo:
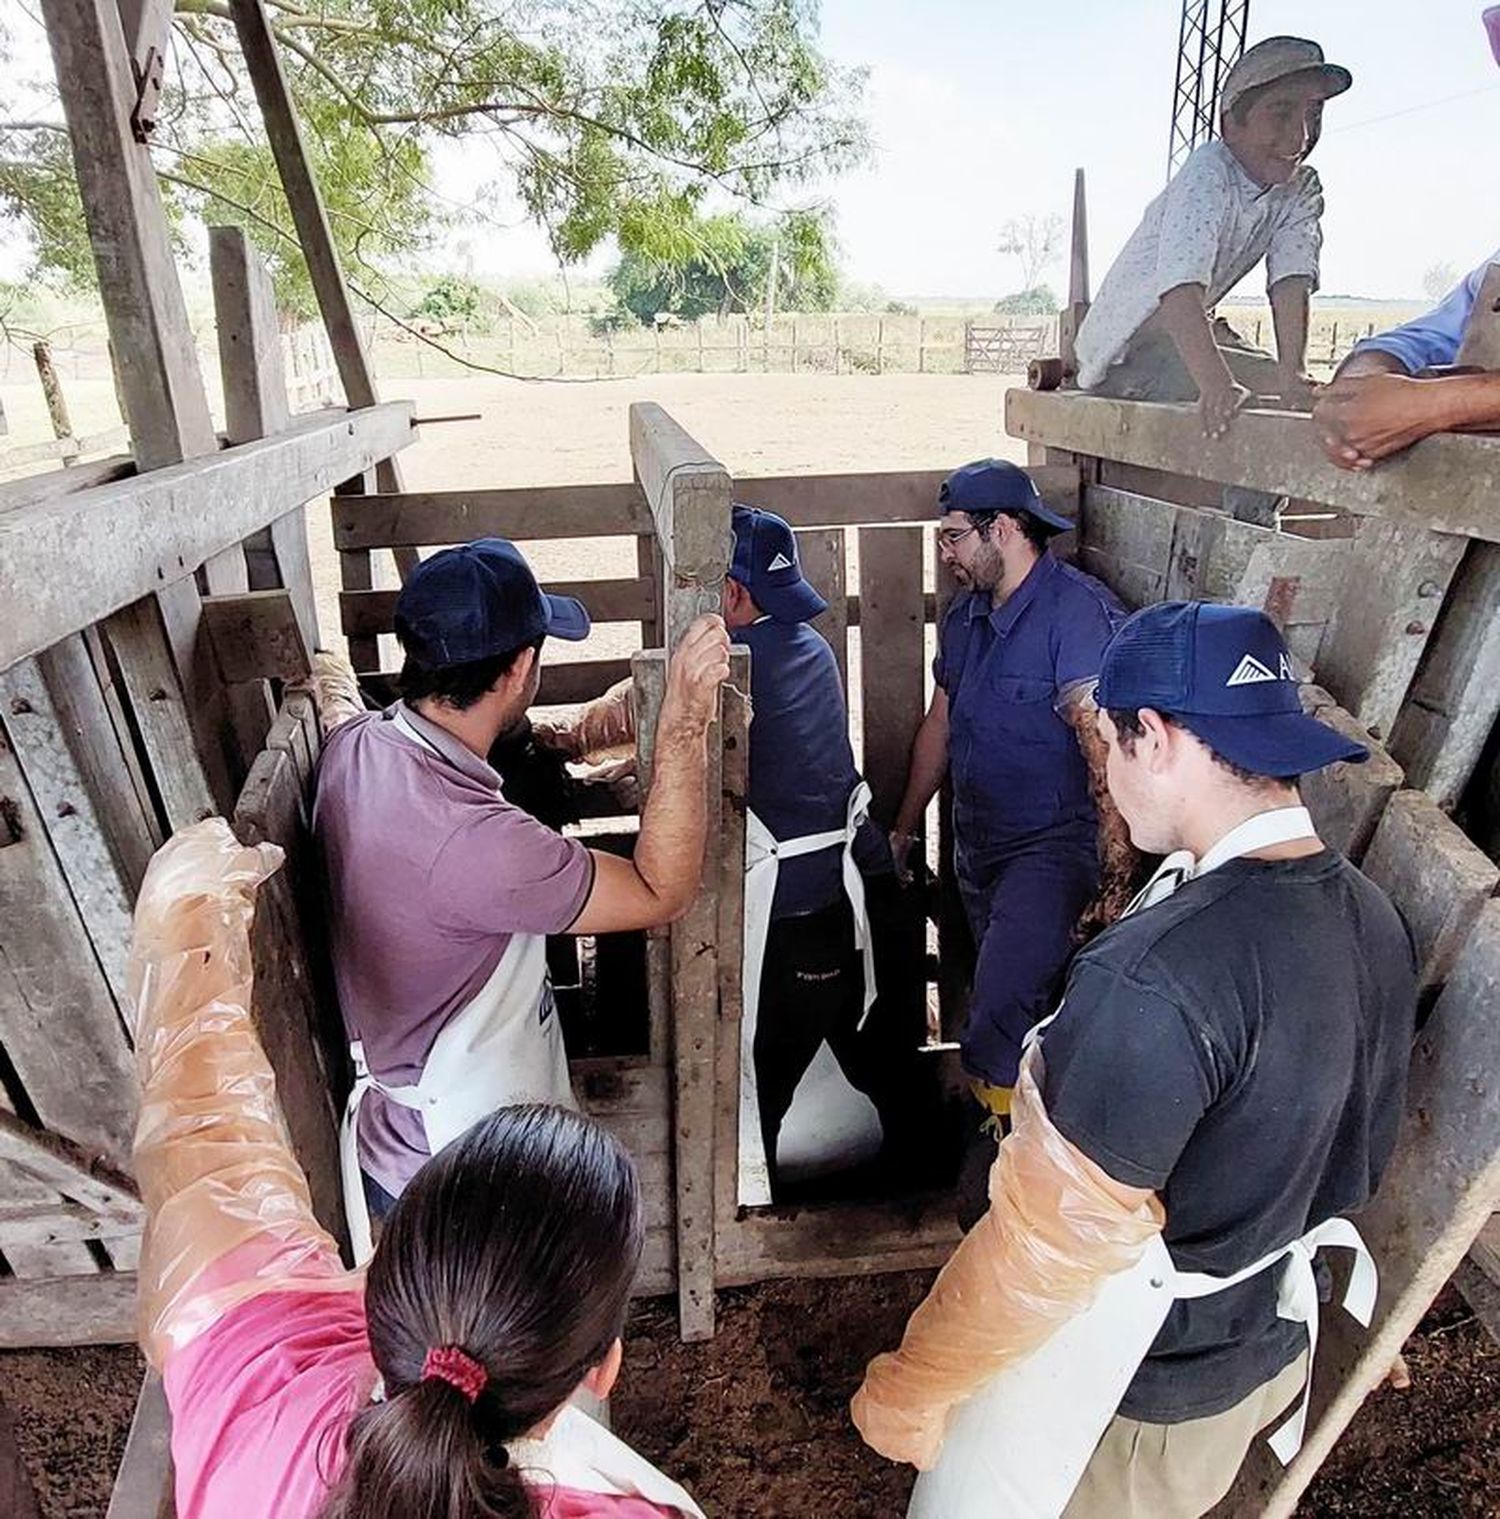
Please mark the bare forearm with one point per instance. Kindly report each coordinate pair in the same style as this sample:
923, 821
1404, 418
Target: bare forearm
1290, 302
1185, 321
1474, 401
669, 852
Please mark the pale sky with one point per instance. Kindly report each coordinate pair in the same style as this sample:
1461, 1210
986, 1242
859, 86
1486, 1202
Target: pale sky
981, 109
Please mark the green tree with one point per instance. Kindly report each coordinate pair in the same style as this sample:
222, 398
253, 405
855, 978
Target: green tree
1039, 300
607, 120
724, 264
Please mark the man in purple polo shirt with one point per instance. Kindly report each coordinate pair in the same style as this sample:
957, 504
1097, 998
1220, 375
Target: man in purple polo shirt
442, 893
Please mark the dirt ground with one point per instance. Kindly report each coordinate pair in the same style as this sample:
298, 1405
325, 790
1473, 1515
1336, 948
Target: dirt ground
755, 1422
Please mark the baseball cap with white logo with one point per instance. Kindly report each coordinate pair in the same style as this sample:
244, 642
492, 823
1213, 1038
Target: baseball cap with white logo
1224, 674
765, 563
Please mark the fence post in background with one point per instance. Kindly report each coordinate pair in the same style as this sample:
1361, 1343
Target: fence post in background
57, 407
880, 345
699, 325
921, 345
838, 348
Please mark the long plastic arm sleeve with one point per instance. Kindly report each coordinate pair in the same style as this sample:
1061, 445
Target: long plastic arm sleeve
599, 730
1057, 1227
335, 690
228, 1209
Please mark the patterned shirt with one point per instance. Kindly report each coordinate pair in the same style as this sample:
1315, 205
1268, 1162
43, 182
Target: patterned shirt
1211, 226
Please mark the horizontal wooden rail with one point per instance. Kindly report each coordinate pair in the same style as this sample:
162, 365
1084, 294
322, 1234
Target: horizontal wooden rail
562, 684
536, 513
69, 562
366, 613
1449, 483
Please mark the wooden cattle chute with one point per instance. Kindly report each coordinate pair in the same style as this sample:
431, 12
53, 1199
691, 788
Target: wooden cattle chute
676, 1103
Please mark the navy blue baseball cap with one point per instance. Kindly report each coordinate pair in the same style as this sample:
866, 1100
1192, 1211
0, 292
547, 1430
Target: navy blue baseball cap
765, 562
1224, 674
477, 601
996, 485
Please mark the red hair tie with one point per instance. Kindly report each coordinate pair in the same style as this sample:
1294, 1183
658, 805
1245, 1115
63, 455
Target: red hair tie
458, 1369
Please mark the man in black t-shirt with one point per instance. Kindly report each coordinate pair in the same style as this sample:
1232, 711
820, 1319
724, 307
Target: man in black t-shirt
1233, 1051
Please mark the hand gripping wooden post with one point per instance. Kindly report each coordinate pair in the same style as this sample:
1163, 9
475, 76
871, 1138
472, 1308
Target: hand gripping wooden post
688, 493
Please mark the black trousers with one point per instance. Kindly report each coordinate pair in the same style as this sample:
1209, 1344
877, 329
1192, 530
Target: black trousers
812, 989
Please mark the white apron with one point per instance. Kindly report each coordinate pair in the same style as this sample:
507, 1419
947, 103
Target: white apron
1019, 1445
579, 1453
504, 1046
763, 856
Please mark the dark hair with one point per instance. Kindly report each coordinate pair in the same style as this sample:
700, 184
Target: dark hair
1128, 728
1033, 529
458, 686
517, 1244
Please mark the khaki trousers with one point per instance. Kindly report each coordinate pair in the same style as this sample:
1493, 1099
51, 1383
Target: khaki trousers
1178, 1471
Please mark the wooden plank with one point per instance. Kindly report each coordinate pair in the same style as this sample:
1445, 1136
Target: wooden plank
730, 841
688, 492
1347, 801
304, 200
17, 1185
250, 359
79, 1310
1454, 699
105, 1191
525, 513
892, 658
164, 402
83, 1087
838, 1239
290, 1003
138, 642
52, 483
143, 1484
1449, 483
145, 532
255, 406
648, 670
1374, 642
1125, 540
256, 635
75, 823
367, 613
821, 552
1437, 878
618, 508
1439, 1191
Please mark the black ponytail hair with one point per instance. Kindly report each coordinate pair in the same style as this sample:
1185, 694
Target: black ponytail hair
516, 1245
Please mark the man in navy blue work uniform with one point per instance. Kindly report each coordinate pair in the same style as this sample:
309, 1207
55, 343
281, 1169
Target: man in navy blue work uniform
1024, 637
817, 868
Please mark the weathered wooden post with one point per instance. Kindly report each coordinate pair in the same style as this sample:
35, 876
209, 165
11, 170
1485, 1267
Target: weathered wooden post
688, 493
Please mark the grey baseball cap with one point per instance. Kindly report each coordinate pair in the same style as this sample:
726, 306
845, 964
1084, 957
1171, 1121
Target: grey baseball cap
1279, 58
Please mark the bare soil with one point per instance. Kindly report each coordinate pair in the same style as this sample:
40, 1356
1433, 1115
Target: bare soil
755, 1422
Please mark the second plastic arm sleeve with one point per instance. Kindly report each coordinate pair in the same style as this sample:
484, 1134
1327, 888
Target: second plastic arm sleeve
1057, 1227
599, 730
228, 1211
335, 690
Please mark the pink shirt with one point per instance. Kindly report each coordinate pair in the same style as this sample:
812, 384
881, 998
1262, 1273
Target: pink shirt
430, 871
261, 1402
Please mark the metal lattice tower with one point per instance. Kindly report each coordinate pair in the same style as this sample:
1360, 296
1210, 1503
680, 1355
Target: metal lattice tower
1211, 40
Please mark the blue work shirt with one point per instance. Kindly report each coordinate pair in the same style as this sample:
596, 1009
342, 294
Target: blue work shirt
1017, 771
1435, 336
801, 766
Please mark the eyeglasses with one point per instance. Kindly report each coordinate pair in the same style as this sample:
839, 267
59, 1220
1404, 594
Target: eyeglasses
951, 537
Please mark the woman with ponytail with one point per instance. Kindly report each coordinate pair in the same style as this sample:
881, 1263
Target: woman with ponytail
438, 1384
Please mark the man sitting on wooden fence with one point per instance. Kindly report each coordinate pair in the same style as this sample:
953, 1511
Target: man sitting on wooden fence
442, 893
1148, 335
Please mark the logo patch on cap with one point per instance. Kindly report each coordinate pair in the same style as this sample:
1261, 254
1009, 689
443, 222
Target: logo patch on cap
780, 562
1250, 672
